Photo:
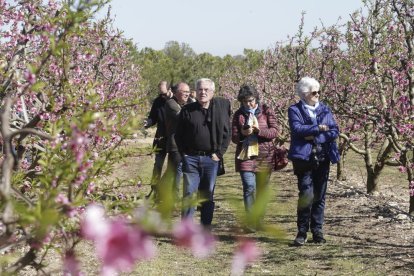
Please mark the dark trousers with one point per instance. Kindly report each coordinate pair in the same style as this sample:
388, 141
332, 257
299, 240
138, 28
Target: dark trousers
172, 177
157, 170
312, 184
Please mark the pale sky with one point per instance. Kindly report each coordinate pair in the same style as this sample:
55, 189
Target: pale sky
223, 27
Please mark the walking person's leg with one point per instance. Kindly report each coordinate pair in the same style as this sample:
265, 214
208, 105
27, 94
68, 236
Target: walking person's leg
191, 174
305, 187
209, 169
262, 195
249, 188
320, 180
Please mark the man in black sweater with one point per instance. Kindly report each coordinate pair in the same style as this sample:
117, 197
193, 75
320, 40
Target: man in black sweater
202, 136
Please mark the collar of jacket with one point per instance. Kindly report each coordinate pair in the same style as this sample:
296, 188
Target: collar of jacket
181, 105
303, 110
256, 112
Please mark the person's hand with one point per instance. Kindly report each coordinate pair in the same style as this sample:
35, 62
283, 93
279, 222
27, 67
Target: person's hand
309, 138
247, 132
323, 128
215, 157
256, 129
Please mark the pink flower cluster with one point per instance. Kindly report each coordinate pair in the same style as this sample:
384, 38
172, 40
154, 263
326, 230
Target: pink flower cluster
78, 144
190, 235
246, 253
71, 266
118, 244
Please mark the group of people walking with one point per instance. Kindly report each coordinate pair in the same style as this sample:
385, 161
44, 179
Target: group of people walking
196, 135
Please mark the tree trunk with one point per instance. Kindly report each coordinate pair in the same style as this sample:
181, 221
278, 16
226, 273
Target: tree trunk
340, 167
372, 180
374, 169
411, 208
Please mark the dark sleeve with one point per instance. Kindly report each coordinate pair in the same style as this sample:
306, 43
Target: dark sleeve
179, 132
226, 127
332, 133
235, 128
297, 127
153, 114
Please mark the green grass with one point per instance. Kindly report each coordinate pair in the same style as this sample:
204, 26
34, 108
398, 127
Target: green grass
345, 253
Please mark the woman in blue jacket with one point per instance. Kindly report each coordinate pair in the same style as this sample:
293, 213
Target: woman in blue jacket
313, 132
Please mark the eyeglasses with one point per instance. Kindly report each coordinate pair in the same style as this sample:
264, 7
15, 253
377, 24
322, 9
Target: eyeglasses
316, 92
184, 91
204, 89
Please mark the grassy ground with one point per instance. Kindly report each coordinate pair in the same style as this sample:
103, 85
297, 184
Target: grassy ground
366, 235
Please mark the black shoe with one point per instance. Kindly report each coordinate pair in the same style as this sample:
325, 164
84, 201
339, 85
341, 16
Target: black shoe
318, 237
300, 239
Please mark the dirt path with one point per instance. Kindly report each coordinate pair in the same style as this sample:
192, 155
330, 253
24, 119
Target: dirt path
367, 235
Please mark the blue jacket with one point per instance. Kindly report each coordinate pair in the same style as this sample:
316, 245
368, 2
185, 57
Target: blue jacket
301, 126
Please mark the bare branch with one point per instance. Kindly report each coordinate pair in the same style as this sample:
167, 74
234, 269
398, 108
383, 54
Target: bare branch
351, 145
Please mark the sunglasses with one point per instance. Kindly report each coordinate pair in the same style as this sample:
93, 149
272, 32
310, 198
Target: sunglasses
315, 92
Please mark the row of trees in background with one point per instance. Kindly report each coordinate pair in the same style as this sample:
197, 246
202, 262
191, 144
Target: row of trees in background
366, 71
178, 62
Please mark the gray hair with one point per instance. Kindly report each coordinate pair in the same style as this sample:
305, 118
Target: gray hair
199, 81
306, 85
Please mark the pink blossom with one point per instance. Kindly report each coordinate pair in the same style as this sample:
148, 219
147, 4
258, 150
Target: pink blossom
94, 224
246, 253
29, 76
190, 235
71, 265
45, 116
24, 164
78, 144
122, 247
118, 244
411, 188
91, 188
402, 169
61, 198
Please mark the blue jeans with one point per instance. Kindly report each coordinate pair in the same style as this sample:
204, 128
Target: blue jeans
200, 173
254, 185
312, 185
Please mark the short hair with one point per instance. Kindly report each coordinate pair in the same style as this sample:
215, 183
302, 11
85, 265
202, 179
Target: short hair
247, 91
199, 81
163, 82
306, 85
174, 88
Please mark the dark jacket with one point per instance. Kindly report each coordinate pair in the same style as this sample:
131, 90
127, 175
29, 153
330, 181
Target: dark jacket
301, 125
268, 131
172, 110
157, 116
220, 132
